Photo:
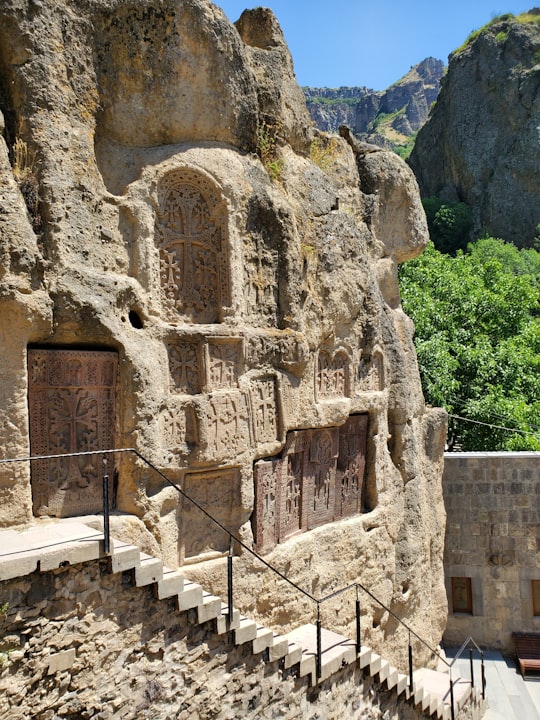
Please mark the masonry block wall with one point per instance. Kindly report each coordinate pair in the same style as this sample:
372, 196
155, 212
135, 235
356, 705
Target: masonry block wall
492, 549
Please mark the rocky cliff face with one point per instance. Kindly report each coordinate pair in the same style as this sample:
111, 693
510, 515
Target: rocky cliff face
481, 143
390, 118
184, 281
332, 107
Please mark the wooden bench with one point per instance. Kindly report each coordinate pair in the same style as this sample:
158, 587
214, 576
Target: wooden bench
527, 651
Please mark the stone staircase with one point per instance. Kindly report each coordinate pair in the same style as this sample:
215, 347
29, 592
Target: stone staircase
59, 544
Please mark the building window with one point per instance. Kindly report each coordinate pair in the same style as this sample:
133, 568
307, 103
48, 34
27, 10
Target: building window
462, 595
536, 596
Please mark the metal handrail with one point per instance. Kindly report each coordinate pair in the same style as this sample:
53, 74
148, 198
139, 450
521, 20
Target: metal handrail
234, 539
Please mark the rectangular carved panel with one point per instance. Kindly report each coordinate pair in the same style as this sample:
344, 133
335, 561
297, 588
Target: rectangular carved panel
218, 492
351, 466
266, 506
321, 476
72, 409
184, 366
224, 358
264, 408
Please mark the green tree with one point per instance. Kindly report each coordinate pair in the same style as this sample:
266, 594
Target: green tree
478, 340
449, 224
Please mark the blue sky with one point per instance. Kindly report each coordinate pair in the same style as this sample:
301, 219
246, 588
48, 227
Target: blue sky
373, 42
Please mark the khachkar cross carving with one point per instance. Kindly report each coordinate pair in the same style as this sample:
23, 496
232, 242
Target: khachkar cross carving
351, 465
184, 368
193, 263
223, 361
266, 512
227, 424
291, 520
332, 375
265, 416
72, 409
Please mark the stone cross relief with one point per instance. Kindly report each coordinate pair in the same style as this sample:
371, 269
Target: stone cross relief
72, 409
317, 479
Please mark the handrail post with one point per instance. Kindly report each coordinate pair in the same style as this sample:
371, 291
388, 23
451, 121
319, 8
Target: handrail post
483, 675
472, 666
358, 629
411, 686
106, 510
452, 711
230, 580
319, 642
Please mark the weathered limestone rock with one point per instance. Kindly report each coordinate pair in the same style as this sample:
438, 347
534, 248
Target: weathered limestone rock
228, 310
480, 143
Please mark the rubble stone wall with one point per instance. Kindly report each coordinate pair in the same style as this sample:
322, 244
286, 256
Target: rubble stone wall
88, 644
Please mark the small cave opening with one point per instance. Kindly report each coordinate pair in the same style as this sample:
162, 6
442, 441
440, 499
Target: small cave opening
135, 320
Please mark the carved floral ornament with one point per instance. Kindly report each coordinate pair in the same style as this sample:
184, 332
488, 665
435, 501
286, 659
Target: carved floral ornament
191, 234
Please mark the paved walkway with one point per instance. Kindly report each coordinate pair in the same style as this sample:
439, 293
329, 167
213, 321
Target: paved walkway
510, 697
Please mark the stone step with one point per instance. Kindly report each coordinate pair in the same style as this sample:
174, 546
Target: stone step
384, 670
374, 664
222, 621
149, 571
210, 608
246, 631
336, 650
191, 596
392, 678
293, 656
279, 647
365, 657
263, 639
171, 583
124, 557
402, 683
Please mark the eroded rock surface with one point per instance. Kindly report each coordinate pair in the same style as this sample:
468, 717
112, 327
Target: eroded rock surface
480, 144
196, 288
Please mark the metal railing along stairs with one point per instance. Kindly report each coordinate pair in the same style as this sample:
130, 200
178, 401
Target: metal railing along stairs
357, 587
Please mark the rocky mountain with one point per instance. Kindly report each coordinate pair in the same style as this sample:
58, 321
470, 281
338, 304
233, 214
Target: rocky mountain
481, 143
389, 118
332, 107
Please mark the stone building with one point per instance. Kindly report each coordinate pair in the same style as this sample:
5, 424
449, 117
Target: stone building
492, 550
178, 277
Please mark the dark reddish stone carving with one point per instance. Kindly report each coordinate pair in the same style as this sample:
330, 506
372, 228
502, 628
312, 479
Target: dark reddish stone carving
72, 409
266, 506
318, 479
351, 466
321, 474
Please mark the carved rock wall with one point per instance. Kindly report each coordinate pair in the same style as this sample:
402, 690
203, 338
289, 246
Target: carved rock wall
252, 320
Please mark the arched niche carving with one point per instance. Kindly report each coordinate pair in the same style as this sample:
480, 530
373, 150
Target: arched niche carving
191, 235
333, 374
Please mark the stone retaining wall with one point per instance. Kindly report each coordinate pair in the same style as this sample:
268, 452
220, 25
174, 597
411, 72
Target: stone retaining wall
88, 644
492, 537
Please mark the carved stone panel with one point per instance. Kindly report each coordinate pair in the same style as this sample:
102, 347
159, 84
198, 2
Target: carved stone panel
264, 409
72, 409
332, 375
371, 373
265, 474
321, 476
190, 228
178, 428
224, 359
218, 492
291, 490
351, 465
184, 367
227, 424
